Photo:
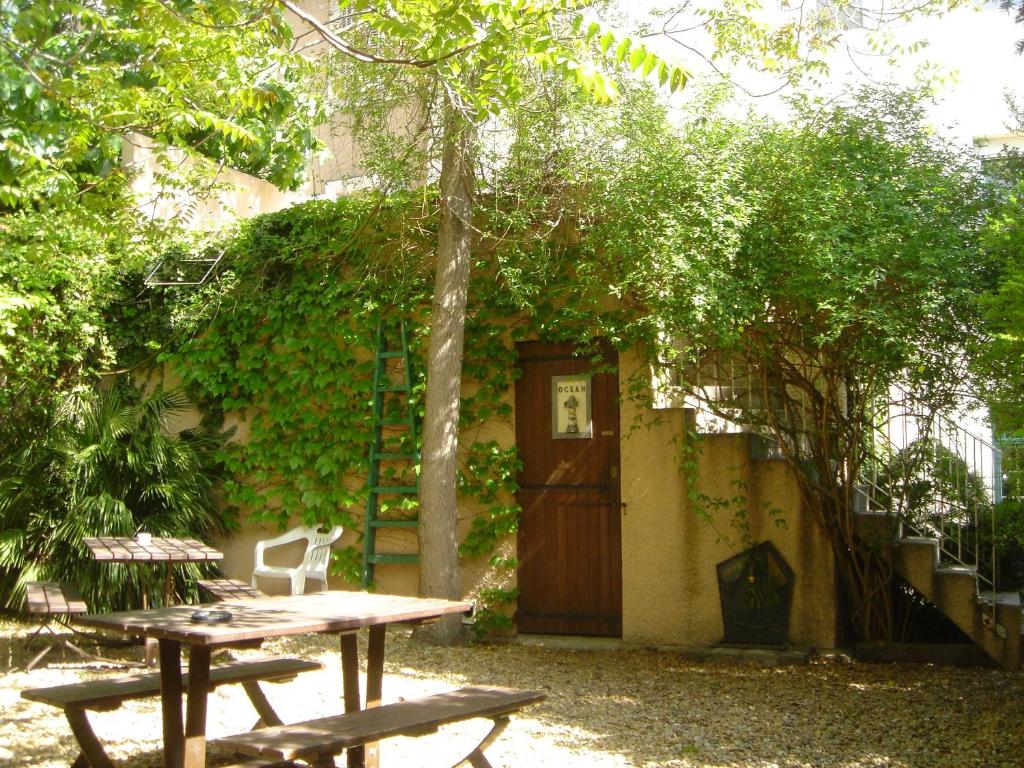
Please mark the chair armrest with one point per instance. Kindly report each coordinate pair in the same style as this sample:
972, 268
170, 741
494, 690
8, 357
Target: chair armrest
285, 538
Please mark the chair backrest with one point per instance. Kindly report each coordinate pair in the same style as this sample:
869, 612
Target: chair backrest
318, 550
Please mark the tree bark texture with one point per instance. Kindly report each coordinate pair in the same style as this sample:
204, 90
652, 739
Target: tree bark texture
438, 528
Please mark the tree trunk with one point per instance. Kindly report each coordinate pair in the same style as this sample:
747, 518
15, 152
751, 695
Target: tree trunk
438, 528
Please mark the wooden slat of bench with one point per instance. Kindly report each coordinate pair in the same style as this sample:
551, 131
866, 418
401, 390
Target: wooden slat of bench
230, 589
51, 599
331, 735
109, 693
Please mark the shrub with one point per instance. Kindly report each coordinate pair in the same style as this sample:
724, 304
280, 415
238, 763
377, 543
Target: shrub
105, 464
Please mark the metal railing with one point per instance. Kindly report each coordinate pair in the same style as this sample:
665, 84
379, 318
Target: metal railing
937, 479
928, 470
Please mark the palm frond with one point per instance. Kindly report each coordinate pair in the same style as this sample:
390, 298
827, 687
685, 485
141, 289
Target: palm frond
106, 463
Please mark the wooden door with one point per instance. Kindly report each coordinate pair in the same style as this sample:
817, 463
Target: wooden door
570, 532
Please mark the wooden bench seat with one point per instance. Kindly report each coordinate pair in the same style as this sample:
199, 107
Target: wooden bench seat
318, 741
47, 598
51, 602
108, 694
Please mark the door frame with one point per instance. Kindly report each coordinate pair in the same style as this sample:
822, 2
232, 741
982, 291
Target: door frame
561, 506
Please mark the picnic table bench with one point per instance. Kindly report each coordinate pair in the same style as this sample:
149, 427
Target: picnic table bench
51, 601
318, 741
108, 694
254, 620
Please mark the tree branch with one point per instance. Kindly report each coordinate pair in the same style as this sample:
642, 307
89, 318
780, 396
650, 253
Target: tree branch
359, 55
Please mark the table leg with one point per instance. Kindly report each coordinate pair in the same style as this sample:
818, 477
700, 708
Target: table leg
374, 685
170, 701
350, 671
168, 586
150, 653
375, 666
195, 717
150, 645
367, 756
350, 686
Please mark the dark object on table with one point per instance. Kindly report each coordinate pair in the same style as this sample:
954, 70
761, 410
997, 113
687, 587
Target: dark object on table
211, 617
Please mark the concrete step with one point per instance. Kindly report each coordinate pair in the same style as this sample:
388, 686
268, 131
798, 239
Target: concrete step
876, 528
917, 559
994, 625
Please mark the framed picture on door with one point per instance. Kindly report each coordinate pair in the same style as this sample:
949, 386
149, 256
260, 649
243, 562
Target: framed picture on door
570, 407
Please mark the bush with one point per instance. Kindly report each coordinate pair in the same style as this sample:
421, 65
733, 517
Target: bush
1009, 541
104, 464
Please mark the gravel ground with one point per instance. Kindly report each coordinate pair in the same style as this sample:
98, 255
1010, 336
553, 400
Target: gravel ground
605, 709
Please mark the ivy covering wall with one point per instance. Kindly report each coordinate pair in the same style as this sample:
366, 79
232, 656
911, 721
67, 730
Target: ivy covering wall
282, 347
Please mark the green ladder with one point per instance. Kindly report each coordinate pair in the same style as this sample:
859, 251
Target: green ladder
394, 441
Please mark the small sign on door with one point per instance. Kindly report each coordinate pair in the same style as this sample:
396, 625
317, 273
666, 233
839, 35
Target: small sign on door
570, 407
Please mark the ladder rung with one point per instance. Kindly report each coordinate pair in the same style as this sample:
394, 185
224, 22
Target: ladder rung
395, 456
394, 489
393, 559
394, 388
403, 422
394, 523
391, 354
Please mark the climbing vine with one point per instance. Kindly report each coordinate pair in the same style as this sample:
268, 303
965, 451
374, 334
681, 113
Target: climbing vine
282, 349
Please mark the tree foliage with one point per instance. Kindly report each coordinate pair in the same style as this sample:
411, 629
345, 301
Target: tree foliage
79, 80
763, 48
1001, 359
1018, 18
478, 55
78, 77
200, 84
815, 261
839, 257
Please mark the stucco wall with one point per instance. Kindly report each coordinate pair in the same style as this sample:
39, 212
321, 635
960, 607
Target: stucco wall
669, 553
670, 588
476, 573
656, 571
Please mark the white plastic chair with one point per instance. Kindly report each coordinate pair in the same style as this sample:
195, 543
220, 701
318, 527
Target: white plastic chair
314, 561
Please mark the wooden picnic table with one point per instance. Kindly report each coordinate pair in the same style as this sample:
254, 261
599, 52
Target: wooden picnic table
252, 621
155, 550
152, 550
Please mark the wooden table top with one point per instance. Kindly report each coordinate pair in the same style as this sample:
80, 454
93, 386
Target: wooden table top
256, 619
125, 549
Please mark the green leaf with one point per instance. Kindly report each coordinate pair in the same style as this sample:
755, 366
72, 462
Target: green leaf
678, 79
650, 61
637, 57
622, 49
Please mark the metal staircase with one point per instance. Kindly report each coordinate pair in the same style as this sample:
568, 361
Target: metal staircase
392, 480
931, 492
